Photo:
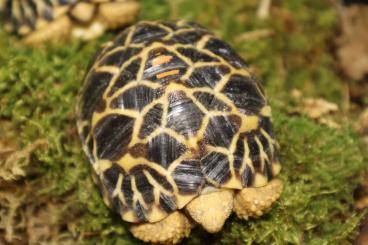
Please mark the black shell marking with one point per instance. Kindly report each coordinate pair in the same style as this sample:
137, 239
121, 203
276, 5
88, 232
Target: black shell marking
183, 116
220, 131
188, 176
112, 134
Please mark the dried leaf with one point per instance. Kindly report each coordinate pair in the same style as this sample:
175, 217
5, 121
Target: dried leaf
319, 109
361, 194
316, 108
362, 239
254, 35
352, 45
362, 123
295, 93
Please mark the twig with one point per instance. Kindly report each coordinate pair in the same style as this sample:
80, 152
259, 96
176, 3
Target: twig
254, 35
263, 11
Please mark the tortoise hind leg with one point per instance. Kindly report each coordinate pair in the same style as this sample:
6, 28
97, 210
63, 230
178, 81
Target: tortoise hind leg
170, 230
211, 209
253, 202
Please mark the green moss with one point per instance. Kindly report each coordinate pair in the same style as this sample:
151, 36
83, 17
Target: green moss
321, 166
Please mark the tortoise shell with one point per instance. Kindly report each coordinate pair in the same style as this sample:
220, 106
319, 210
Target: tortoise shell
166, 109
26, 16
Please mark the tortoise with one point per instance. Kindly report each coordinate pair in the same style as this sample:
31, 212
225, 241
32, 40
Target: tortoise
54, 20
178, 131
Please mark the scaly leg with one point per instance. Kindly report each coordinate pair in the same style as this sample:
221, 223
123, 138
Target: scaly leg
170, 230
253, 202
211, 209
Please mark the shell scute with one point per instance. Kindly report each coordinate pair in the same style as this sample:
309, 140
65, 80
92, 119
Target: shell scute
134, 98
127, 75
93, 90
244, 94
148, 33
112, 135
151, 121
216, 167
206, 76
223, 50
163, 65
117, 58
188, 176
184, 117
220, 131
164, 149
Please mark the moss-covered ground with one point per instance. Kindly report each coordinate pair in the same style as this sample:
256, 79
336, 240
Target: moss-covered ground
46, 192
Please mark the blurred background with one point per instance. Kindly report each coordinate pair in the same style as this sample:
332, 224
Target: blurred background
312, 59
